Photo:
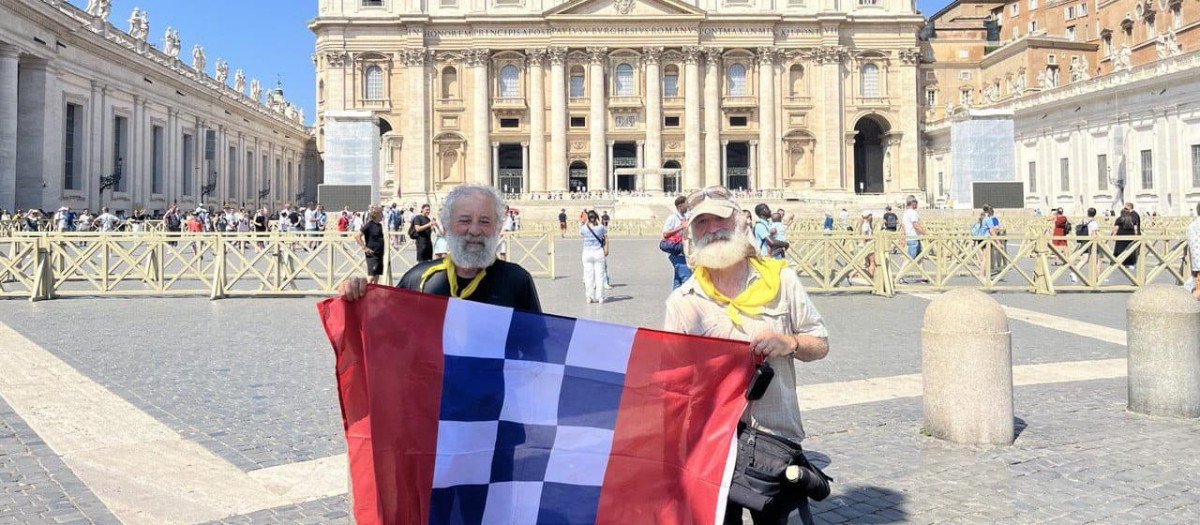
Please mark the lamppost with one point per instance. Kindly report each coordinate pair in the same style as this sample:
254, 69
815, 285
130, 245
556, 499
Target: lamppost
263, 193
110, 182
211, 187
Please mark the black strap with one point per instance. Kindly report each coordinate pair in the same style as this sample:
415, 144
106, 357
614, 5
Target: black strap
598, 239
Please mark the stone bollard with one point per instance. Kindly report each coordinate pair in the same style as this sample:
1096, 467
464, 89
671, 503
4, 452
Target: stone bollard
1164, 352
966, 366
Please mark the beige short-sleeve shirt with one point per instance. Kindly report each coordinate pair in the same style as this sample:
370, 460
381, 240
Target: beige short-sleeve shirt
691, 311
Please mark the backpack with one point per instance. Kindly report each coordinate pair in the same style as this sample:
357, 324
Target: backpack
1081, 230
889, 221
412, 230
979, 230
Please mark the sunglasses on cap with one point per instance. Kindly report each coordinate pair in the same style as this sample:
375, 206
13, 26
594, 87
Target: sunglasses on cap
715, 192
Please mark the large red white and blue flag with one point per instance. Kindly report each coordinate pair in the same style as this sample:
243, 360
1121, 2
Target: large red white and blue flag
462, 412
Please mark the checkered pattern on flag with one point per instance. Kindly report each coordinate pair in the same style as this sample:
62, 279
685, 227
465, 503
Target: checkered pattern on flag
461, 412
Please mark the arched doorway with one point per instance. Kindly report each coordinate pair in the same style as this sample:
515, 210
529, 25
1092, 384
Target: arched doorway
577, 176
868, 156
670, 181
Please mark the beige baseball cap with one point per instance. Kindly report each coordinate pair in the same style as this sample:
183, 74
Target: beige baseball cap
714, 200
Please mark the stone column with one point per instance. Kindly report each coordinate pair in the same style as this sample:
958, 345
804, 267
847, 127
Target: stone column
536, 166
831, 153
558, 119
654, 120
525, 167
966, 366
480, 61
32, 156
612, 178
724, 161
691, 119
416, 157
752, 176
767, 178
639, 180
95, 145
8, 127
1164, 352
712, 117
495, 160
598, 172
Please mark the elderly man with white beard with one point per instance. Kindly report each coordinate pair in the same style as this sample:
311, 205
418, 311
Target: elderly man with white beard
735, 294
472, 215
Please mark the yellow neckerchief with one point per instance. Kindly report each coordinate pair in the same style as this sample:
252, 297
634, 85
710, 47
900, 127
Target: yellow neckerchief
452, 276
754, 297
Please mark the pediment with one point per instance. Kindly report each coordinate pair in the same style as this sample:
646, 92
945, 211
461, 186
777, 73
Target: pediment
635, 9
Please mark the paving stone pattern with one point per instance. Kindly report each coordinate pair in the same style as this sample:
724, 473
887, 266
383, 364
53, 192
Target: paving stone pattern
251, 380
35, 485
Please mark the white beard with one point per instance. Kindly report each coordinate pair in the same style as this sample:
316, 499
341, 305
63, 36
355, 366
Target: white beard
472, 251
721, 249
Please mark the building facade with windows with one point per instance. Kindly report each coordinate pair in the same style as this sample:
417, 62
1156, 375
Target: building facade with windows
1104, 97
537, 96
92, 115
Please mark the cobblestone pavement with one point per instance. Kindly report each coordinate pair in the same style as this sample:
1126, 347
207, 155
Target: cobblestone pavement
37, 486
251, 380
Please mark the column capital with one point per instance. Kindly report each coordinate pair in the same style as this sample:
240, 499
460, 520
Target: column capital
477, 56
558, 54
713, 55
525, 144
724, 142
766, 55
536, 56
598, 54
691, 54
641, 142
754, 143
9, 51
416, 56
495, 145
611, 143
651, 55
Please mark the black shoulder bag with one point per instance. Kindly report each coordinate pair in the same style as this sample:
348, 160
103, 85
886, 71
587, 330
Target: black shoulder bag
769, 468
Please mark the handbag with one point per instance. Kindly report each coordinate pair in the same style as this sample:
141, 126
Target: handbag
771, 469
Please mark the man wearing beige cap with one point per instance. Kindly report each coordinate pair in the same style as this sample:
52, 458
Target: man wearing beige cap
735, 294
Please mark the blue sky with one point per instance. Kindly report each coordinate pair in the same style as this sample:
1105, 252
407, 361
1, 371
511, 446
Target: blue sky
266, 38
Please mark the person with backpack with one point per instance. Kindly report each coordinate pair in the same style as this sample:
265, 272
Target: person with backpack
672, 242
419, 230
1086, 231
764, 237
595, 251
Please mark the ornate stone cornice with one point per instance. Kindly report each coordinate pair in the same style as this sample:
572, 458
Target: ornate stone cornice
597, 55
651, 55
536, 56
337, 59
910, 56
691, 54
477, 57
713, 54
413, 57
830, 54
558, 54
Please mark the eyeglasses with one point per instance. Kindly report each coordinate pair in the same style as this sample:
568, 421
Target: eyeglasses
715, 192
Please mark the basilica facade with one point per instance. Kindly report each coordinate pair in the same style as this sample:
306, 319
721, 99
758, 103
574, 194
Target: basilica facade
536, 96
94, 115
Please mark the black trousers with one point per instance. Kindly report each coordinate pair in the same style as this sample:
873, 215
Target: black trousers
424, 250
775, 515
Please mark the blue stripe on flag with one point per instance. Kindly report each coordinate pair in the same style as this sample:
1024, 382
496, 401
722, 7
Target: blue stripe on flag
537, 337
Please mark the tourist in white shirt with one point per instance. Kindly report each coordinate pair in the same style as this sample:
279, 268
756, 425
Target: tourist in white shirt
107, 221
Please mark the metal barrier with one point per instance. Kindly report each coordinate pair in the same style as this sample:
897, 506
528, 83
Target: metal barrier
46, 266
1040, 264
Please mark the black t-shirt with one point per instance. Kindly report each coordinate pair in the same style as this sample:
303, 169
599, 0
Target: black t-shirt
562, 217
1137, 222
505, 284
373, 237
890, 221
421, 220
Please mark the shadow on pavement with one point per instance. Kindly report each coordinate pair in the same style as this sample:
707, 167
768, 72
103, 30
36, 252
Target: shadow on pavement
860, 504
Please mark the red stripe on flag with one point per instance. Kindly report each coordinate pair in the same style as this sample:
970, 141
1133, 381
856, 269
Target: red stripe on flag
389, 355
679, 409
